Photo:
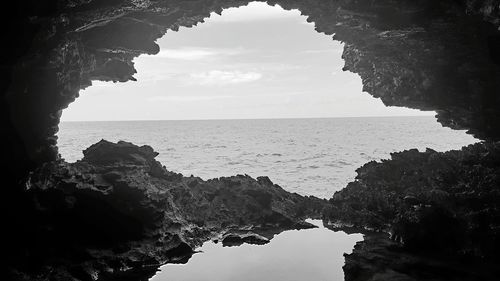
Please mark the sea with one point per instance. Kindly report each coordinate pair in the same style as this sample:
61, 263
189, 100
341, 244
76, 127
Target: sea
308, 156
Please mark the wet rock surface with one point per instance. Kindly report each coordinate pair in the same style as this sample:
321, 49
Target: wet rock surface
441, 210
379, 258
119, 209
233, 239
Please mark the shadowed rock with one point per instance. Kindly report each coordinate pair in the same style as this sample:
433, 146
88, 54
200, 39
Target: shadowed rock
234, 239
440, 201
379, 258
429, 55
442, 210
432, 55
118, 208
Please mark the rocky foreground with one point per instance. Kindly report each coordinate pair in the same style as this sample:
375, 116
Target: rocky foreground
119, 209
442, 211
118, 214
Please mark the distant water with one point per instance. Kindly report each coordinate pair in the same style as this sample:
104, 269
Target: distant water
312, 254
307, 156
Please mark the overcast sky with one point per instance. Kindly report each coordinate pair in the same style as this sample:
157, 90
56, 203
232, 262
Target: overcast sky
256, 61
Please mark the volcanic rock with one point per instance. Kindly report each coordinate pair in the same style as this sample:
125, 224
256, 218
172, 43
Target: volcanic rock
428, 55
440, 205
233, 239
378, 258
119, 209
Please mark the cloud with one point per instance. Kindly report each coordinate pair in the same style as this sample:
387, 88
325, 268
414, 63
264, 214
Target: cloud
185, 54
254, 11
186, 98
218, 77
157, 76
98, 83
194, 53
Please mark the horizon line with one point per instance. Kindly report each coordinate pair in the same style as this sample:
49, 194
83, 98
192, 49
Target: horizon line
232, 119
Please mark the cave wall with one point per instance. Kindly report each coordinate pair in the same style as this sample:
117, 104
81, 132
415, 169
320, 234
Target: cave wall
429, 55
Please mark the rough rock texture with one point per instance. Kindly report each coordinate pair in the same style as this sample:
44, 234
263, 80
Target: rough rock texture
378, 258
429, 200
426, 54
439, 55
235, 239
118, 208
441, 209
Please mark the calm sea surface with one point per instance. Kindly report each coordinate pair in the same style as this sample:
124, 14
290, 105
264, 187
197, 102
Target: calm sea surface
307, 156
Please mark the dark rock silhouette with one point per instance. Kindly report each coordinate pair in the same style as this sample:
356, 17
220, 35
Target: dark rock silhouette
441, 209
118, 208
380, 258
432, 55
234, 239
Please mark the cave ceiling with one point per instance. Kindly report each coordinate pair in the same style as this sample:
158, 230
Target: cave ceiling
428, 55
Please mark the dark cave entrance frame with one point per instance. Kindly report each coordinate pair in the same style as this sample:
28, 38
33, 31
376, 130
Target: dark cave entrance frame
431, 55
425, 55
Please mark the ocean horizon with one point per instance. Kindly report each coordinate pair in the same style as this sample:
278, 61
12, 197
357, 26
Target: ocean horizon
310, 156
264, 118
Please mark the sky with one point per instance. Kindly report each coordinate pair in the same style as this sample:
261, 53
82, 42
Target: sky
256, 61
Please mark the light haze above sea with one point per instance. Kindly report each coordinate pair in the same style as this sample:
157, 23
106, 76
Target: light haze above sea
307, 156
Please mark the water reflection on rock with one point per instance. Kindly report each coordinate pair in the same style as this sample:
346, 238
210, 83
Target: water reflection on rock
311, 254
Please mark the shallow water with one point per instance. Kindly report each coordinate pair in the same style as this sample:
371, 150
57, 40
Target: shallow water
295, 255
307, 156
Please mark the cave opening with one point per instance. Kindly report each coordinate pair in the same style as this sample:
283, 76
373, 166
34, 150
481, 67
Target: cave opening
255, 90
435, 213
